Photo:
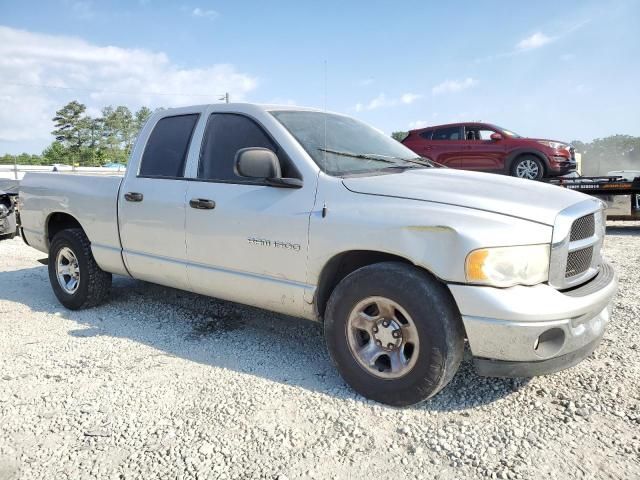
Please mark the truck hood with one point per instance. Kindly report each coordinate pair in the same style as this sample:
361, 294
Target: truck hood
526, 199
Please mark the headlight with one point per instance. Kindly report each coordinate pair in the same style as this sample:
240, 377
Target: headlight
554, 145
507, 266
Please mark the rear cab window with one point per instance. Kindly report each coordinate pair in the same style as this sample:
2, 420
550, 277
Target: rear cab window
165, 154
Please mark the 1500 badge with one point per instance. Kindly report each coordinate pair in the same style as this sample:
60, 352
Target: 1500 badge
263, 242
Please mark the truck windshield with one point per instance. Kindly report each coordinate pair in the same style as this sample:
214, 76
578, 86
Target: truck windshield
343, 146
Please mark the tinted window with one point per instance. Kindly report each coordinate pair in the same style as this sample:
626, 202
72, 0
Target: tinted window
449, 133
166, 150
225, 134
426, 134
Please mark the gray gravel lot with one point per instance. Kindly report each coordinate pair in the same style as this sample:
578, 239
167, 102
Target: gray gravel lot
160, 383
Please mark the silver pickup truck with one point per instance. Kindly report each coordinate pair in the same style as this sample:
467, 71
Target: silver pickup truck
320, 216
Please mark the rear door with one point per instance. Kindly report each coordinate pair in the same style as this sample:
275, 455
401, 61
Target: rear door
248, 241
152, 205
447, 146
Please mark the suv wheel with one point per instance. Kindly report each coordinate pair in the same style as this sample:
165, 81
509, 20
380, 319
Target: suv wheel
528, 167
75, 277
394, 333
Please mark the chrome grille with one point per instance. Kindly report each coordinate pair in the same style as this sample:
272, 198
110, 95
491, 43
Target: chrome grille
578, 262
583, 227
578, 233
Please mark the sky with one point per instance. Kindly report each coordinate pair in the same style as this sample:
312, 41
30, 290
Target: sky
562, 70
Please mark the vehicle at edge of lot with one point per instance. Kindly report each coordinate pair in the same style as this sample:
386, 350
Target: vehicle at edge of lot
8, 222
485, 147
319, 216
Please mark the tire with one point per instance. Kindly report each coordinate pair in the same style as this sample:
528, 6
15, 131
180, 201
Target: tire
93, 284
528, 167
431, 314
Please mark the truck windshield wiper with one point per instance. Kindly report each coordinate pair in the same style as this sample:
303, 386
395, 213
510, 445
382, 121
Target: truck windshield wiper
427, 161
368, 156
423, 162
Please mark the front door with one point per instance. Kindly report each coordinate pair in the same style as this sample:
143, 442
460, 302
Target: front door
245, 239
151, 206
482, 153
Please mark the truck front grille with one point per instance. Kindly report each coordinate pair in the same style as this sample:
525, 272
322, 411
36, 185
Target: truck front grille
578, 262
578, 234
583, 227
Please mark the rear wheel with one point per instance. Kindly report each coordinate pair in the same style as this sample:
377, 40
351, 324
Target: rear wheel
75, 277
528, 167
394, 333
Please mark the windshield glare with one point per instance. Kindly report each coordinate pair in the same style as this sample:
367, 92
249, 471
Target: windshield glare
342, 145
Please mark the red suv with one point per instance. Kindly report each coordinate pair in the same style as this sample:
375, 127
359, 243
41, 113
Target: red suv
487, 148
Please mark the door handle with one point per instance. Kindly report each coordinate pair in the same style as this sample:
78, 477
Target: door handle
202, 204
133, 197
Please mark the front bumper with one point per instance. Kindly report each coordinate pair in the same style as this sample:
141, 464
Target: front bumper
559, 165
526, 331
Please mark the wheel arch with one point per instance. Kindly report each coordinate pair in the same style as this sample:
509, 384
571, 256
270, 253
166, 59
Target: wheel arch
344, 263
58, 221
513, 156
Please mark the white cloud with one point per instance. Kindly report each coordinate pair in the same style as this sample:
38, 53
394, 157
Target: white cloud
453, 86
204, 13
409, 98
32, 63
536, 40
382, 100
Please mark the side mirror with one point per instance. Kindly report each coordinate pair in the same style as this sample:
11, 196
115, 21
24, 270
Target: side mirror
262, 163
257, 163
496, 136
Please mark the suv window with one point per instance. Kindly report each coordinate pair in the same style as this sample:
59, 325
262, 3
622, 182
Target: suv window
449, 133
166, 151
426, 134
474, 132
226, 133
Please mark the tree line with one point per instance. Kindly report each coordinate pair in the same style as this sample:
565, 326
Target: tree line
88, 141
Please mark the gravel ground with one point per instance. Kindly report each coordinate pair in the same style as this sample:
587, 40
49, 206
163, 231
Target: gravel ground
160, 383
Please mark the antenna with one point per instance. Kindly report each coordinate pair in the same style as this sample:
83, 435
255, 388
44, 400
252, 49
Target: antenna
225, 97
324, 152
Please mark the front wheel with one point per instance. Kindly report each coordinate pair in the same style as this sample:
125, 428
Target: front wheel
528, 167
75, 277
394, 333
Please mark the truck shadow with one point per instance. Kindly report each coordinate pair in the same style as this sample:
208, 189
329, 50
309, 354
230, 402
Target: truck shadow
227, 335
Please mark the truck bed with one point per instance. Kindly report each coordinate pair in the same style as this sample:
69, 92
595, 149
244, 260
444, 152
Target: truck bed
91, 199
